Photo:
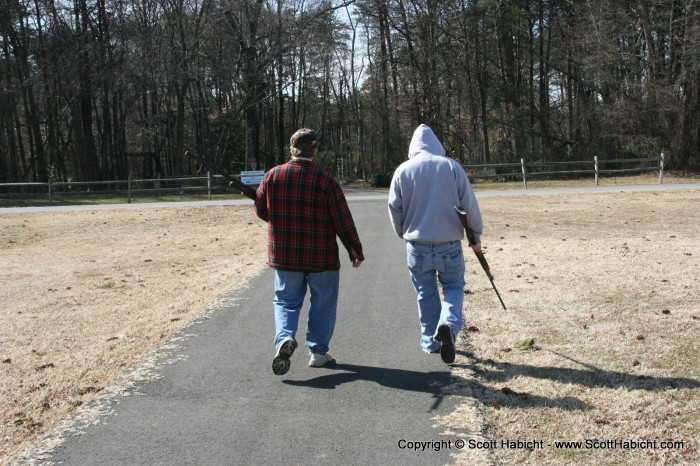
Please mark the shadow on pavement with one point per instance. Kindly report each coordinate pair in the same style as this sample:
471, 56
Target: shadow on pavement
438, 384
433, 383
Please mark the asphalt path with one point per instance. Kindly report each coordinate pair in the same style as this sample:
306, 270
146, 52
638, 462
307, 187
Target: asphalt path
217, 402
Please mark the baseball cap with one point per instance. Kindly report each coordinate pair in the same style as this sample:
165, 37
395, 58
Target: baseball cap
304, 137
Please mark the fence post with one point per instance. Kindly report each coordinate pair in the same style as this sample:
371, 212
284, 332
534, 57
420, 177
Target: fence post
209, 184
522, 167
595, 161
661, 169
50, 190
128, 189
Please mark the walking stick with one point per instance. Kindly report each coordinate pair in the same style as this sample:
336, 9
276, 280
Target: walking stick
480, 255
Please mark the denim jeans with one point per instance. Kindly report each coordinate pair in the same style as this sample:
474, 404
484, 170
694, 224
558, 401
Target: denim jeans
428, 263
290, 290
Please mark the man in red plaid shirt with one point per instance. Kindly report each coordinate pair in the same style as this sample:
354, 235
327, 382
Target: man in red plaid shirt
305, 209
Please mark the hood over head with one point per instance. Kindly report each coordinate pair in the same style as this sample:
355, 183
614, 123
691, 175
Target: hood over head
424, 142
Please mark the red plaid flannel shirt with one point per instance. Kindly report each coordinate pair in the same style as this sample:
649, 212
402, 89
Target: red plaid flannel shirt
305, 209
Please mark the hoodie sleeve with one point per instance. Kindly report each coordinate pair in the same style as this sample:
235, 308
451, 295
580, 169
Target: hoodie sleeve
468, 202
396, 206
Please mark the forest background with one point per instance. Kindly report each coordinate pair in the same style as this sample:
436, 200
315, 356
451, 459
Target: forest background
109, 89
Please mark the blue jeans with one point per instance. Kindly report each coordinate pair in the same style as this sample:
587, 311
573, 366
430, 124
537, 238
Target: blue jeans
428, 263
290, 290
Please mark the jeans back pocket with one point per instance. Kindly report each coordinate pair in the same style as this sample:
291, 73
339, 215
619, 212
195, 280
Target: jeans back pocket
414, 260
452, 261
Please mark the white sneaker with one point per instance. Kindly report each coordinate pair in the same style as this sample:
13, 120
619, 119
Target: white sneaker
285, 349
320, 360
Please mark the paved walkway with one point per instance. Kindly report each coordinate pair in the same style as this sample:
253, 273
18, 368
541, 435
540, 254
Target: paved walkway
209, 396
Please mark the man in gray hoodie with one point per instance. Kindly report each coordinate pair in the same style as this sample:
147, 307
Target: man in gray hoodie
424, 191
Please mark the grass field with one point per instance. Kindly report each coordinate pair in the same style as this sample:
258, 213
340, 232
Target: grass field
605, 291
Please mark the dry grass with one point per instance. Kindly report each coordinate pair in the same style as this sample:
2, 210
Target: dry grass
534, 182
608, 287
85, 295
606, 284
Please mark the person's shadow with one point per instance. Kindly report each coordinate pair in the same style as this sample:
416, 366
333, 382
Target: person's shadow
589, 375
440, 384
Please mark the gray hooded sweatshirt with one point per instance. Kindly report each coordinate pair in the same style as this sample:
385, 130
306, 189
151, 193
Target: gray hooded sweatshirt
424, 191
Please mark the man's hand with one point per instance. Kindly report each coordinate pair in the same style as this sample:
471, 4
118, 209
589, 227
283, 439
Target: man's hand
476, 247
356, 263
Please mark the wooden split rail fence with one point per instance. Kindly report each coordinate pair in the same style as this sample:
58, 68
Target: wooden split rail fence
504, 171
